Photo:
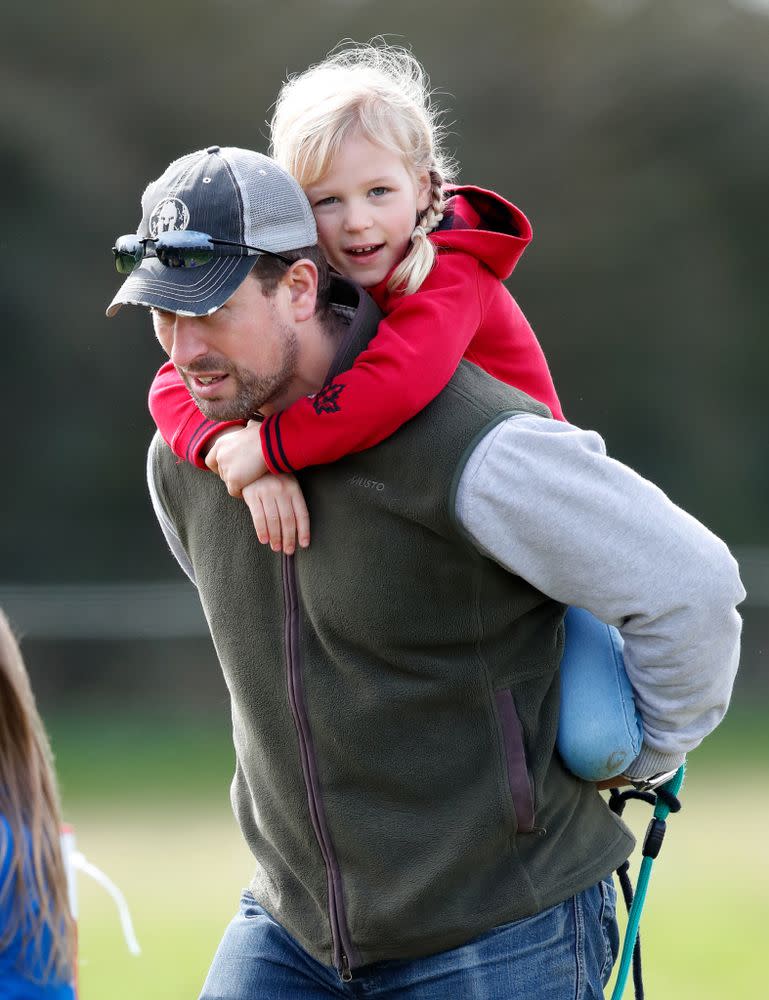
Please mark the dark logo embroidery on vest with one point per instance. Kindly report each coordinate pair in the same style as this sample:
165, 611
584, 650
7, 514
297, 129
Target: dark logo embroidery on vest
368, 484
327, 400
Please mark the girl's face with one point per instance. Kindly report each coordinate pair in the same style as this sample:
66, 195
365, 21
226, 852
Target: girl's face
366, 207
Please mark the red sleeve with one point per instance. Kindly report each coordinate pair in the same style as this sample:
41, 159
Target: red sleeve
183, 427
416, 350
461, 309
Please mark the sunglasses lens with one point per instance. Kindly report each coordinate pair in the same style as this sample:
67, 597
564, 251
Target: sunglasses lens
183, 256
129, 252
180, 249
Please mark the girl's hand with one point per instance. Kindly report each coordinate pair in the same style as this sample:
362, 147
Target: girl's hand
279, 512
236, 457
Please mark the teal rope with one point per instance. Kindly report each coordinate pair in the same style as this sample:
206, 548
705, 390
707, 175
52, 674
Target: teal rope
661, 812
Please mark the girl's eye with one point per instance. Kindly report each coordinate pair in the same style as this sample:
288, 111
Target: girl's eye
379, 191
330, 200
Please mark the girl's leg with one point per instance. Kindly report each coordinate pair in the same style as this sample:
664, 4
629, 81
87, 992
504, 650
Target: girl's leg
599, 730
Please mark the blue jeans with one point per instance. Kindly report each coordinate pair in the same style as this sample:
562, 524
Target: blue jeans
564, 953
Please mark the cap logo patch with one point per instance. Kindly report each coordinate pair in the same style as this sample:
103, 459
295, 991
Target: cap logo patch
169, 215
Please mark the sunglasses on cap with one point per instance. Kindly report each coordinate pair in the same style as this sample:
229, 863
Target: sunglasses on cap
178, 248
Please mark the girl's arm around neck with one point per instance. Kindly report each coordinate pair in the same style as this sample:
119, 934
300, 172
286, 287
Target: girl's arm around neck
410, 360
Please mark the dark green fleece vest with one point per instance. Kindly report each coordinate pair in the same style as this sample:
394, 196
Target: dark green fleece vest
394, 699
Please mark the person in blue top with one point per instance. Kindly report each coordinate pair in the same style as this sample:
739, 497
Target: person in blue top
37, 932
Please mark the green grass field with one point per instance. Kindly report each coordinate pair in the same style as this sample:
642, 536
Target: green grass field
149, 801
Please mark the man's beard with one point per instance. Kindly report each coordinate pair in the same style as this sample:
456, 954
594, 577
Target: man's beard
252, 391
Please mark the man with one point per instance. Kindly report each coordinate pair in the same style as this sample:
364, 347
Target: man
394, 686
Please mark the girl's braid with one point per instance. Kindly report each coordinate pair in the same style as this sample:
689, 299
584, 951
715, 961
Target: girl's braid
418, 262
433, 214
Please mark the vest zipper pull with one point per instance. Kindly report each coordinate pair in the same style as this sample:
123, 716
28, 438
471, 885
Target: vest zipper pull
346, 974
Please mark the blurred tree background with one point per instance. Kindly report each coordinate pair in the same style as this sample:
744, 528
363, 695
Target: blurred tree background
634, 133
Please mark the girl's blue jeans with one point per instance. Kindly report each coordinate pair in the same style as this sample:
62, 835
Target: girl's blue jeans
564, 953
599, 729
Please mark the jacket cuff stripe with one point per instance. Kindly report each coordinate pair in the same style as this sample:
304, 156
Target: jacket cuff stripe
199, 431
268, 446
279, 440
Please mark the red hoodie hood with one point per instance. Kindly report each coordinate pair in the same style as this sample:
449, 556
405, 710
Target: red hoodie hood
483, 224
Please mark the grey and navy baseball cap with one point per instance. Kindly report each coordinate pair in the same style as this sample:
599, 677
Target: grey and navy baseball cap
231, 194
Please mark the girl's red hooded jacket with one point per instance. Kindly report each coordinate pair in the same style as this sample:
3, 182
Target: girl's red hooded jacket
462, 309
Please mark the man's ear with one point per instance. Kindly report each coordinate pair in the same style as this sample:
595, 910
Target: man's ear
301, 280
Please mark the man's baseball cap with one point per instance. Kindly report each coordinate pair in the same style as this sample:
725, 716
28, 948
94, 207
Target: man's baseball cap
233, 195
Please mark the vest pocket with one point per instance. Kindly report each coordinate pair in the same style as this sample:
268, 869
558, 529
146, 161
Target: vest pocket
518, 777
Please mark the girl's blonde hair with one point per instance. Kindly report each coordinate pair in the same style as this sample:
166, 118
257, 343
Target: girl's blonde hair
381, 92
36, 882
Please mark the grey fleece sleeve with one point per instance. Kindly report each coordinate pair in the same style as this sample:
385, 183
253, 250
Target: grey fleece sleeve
542, 499
164, 520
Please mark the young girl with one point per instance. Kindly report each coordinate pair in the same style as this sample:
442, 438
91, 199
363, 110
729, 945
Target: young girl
360, 134
37, 933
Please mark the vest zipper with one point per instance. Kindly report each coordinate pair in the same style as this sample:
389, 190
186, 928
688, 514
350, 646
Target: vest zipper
340, 937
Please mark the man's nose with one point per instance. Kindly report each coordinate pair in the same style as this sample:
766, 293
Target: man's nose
188, 341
